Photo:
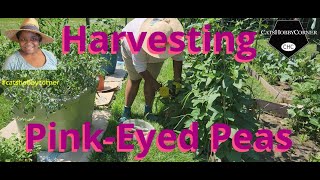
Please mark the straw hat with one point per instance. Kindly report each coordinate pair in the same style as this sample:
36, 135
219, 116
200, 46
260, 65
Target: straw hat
29, 24
165, 25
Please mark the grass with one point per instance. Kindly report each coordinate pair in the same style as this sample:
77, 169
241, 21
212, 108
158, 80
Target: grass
14, 23
259, 92
78, 21
10, 23
110, 153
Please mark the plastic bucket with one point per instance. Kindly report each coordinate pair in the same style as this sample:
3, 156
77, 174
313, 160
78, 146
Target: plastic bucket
141, 125
76, 112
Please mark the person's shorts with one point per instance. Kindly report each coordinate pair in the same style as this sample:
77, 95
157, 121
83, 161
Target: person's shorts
153, 68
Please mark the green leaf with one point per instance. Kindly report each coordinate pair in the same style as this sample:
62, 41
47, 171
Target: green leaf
291, 112
230, 115
316, 109
209, 80
212, 97
284, 77
239, 84
188, 123
223, 84
234, 156
195, 102
234, 130
195, 113
252, 154
200, 67
270, 57
217, 113
209, 123
315, 122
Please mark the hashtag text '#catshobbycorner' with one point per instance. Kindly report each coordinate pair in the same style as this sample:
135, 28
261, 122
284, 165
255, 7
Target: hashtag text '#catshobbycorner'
29, 83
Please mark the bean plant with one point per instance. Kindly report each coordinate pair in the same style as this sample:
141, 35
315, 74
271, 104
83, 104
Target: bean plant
305, 111
214, 92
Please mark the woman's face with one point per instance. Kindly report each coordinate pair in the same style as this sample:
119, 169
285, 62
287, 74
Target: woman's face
29, 42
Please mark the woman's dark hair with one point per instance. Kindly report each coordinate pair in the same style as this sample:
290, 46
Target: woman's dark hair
19, 33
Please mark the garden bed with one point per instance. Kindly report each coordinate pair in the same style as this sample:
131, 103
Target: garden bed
303, 149
282, 91
279, 110
293, 81
282, 97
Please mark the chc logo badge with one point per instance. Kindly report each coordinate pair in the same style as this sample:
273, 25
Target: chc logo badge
288, 37
288, 46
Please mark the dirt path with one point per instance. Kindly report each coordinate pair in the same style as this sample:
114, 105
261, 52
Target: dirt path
301, 149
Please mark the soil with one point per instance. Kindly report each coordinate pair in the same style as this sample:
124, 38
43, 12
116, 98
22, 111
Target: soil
286, 91
300, 151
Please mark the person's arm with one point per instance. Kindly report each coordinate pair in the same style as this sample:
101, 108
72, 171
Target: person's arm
177, 67
177, 70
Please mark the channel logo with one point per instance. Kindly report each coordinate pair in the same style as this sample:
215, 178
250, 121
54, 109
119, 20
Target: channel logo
288, 46
288, 37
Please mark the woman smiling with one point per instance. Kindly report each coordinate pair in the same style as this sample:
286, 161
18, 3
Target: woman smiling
30, 56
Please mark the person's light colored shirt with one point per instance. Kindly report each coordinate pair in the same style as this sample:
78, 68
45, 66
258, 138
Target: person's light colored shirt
141, 59
17, 62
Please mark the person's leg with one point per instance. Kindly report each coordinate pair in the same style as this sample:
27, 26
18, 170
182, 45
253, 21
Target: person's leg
132, 87
149, 92
131, 91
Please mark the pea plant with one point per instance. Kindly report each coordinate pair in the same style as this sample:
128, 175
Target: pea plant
110, 25
214, 91
305, 110
281, 69
13, 149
